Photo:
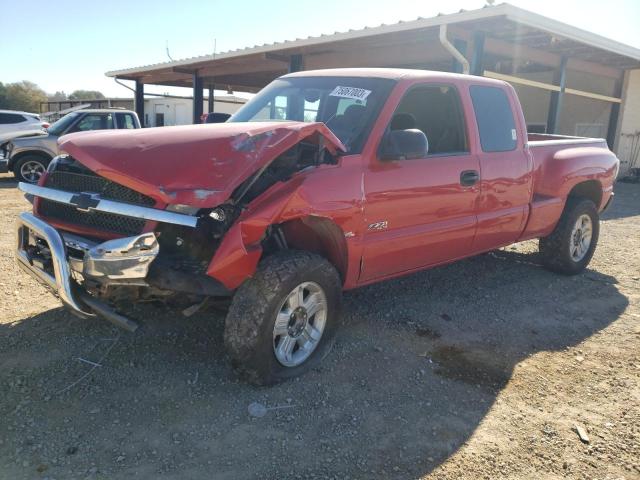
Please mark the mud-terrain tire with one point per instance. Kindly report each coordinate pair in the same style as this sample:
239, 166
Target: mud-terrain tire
29, 168
263, 307
564, 251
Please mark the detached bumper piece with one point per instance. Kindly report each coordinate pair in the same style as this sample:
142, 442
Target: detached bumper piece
42, 252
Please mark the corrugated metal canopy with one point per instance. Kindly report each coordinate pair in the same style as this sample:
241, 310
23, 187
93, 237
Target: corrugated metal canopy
509, 31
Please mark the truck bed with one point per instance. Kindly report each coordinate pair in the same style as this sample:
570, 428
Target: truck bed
536, 139
544, 147
556, 160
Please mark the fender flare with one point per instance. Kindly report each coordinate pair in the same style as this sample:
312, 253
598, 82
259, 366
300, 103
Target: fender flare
287, 205
237, 257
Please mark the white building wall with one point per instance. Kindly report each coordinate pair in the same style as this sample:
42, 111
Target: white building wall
179, 111
629, 126
579, 115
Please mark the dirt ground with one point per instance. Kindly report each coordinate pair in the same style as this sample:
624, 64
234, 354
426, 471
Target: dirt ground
481, 369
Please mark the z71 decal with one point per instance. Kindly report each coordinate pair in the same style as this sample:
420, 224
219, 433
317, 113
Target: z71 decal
378, 225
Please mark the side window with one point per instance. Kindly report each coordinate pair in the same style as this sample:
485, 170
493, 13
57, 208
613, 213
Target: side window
494, 116
436, 110
311, 110
274, 110
94, 121
125, 120
11, 118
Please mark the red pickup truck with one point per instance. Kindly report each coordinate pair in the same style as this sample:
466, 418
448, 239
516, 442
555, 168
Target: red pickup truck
324, 181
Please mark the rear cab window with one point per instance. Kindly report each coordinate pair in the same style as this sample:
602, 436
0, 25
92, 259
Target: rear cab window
494, 117
125, 121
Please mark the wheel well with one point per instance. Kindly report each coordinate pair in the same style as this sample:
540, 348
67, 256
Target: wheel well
591, 189
318, 235
35, 153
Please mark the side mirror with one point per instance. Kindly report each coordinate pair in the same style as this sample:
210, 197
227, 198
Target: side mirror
404, 145
217, 117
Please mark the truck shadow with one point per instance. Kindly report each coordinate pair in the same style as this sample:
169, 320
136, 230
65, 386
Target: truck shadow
8, 181
626, 202
417, 365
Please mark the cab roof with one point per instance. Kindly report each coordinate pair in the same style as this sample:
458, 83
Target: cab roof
395, 74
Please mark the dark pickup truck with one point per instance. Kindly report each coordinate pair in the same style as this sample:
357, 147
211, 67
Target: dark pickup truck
324, 181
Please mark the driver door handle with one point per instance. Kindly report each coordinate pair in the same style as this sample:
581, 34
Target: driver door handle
469, 178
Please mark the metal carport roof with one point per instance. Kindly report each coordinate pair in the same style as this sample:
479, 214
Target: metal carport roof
508, 30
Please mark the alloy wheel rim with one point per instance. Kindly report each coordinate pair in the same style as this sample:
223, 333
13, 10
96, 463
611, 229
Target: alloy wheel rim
299, 324
580, 240
31, 171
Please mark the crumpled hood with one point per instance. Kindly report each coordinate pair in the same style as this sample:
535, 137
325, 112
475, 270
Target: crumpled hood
196, 165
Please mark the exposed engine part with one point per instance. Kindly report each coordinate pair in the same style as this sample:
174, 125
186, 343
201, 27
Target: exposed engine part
221, 218
166, 277
299, 157
279, 238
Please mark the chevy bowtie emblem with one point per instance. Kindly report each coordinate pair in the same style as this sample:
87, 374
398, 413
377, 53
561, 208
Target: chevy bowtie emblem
378, 225
85, 201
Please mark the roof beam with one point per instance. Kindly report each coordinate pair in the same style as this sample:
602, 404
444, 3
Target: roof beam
500, 47
277, 57
391, 56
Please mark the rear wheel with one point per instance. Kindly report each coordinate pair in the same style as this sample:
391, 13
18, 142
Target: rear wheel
30, 168
571, 245
282, 322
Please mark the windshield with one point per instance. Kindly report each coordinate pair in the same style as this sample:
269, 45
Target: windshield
347, 105
61, 125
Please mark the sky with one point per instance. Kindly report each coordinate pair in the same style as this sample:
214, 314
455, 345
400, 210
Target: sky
70, 44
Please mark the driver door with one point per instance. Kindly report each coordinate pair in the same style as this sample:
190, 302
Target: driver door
422, 212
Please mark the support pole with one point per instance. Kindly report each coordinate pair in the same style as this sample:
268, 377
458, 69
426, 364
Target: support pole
211, 100
461, 46
295, 63
555, 104
139, 101
197, 97
477, 59
613, 116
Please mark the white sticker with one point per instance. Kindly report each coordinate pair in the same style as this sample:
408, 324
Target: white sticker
350, 92
513, 134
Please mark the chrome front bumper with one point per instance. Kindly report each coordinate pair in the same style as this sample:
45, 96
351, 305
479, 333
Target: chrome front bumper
52, 258
28, 229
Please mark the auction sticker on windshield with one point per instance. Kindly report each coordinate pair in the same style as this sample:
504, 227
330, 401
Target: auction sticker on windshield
350, 92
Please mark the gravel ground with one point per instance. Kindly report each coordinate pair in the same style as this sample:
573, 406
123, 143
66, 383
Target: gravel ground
481, 369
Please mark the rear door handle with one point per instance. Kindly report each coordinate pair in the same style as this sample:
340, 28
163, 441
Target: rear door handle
469, 178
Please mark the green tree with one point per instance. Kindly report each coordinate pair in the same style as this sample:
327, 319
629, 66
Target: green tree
3, 96
24, 95
85, 95
58, 96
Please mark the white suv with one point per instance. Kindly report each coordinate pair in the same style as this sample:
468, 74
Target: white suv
13, 121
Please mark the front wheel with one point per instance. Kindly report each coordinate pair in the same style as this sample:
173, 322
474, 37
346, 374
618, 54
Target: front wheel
283, 320
569, 248
30, 168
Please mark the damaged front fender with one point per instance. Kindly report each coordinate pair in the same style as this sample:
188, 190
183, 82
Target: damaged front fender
302, 197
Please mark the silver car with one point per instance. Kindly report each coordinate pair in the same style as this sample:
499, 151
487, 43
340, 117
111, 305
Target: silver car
28, 157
